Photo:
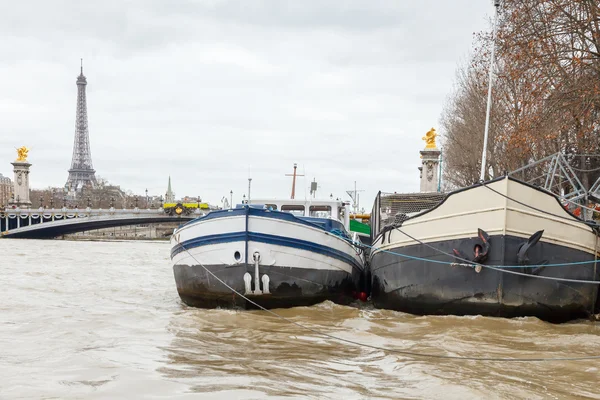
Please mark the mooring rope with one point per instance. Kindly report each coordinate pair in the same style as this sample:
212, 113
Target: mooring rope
396, 351
499, 268
467, 263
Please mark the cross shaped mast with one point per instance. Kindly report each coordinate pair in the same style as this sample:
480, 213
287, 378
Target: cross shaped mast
294, 180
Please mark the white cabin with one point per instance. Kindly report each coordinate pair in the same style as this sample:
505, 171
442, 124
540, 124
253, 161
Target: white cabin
331, 209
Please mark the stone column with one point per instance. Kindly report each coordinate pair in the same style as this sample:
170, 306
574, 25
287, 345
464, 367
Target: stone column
430, 170
21, 185
430, 163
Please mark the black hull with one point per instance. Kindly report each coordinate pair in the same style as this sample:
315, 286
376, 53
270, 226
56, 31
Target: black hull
288, 286
423, 287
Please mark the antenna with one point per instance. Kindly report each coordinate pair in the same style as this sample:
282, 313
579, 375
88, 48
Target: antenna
313, 188
354, 196
304, 181
249, 184
489, 96
81, 59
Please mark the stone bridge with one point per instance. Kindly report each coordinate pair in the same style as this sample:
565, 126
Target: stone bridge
50, 223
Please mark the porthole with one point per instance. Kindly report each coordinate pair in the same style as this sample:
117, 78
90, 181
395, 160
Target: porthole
237, 256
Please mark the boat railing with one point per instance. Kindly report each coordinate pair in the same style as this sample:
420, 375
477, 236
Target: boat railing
391, 209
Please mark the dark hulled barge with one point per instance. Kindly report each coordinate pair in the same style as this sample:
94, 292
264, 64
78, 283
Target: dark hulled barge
503, 222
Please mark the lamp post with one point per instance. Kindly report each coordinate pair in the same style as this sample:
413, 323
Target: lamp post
231, 199
147, 198
489, 95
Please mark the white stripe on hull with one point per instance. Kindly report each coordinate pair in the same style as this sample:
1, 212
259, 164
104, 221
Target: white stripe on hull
272, 255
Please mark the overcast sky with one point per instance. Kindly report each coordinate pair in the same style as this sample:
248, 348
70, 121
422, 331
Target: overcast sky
213, 92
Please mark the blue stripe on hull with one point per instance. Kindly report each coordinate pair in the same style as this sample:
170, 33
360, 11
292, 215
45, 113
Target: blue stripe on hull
268, 239
323, 224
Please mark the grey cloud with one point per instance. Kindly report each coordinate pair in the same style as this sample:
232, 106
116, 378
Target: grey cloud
211, 91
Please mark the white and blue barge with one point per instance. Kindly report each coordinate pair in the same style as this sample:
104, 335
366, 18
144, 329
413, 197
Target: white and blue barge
278, 253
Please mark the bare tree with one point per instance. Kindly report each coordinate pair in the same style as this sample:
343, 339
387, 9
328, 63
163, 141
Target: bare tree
546, 96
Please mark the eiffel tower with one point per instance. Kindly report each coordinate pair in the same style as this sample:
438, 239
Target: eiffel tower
82, 172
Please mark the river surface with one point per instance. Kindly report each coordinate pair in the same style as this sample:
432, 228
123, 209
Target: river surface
102, 320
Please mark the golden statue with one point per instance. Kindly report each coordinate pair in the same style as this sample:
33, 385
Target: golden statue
22, 153
429, 138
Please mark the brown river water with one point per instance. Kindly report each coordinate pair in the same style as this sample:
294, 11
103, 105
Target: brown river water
102, 320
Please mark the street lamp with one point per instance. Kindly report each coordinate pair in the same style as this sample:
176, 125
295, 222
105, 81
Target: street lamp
231, 199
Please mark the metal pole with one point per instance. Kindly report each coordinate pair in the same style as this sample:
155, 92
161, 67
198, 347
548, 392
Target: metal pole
249, 183
439, 188
489, 96
355, 205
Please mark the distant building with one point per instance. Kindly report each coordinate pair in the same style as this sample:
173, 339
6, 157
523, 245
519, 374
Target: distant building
191, 199
6, 188
169, 196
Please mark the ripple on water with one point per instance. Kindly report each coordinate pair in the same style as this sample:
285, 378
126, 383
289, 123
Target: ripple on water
103, 320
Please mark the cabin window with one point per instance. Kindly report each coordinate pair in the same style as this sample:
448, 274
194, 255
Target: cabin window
320, 211
271, 207
293, 209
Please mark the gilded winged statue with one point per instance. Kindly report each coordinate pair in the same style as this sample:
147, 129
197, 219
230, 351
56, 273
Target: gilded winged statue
22, 153
429, 139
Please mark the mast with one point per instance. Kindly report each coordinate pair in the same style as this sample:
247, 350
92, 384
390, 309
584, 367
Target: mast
354, 195
294, 180
489, 96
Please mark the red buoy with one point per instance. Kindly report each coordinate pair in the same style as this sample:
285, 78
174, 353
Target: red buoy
362, 296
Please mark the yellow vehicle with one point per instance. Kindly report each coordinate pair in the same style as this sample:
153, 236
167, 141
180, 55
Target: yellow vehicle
202, 206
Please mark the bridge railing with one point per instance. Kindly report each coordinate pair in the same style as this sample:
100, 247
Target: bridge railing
15, 218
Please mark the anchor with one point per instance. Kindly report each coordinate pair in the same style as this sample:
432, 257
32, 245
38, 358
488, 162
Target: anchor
248, 279
523, 257
480, 251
